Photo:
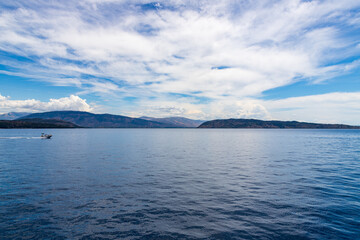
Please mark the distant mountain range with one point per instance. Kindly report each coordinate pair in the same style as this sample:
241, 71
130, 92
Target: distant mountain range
177, 121
73, 119
13, 115
254, 123
91, 120
36, 123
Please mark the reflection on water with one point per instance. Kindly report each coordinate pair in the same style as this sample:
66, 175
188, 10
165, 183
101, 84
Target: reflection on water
180, 183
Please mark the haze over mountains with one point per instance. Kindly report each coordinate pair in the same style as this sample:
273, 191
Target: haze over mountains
13, 115
177, 121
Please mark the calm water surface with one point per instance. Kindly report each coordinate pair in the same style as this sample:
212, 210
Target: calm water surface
180, 184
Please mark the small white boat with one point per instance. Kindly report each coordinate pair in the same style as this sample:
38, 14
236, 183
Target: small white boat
45, 136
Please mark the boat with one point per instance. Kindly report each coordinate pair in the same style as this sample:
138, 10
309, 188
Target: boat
45, 136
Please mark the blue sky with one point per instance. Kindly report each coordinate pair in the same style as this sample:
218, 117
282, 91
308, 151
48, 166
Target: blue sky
287, 60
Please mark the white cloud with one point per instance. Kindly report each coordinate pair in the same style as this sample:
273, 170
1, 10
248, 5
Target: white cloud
151, 53
338, 107
267, 45
31, 105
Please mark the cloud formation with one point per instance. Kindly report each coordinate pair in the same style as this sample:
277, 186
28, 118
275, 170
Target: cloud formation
67, 103
213, 55
337, 107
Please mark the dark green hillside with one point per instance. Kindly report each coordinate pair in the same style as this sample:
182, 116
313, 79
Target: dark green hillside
254, 123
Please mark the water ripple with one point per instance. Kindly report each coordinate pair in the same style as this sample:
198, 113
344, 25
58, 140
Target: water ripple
180, 184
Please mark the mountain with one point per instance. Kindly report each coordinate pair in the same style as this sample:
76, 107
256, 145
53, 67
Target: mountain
254, 123
177, 121
36, 123
12, 115
91, 120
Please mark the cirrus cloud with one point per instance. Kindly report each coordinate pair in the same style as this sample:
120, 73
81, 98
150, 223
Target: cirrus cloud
228, 52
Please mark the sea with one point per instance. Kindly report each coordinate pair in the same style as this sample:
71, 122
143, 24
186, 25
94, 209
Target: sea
180, 184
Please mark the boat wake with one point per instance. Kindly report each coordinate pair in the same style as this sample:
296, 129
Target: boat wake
20, 137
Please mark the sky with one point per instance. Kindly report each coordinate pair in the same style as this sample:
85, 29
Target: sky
283, 60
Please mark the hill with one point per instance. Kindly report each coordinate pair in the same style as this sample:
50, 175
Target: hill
36, 123
254, 123
177, 121
91, 120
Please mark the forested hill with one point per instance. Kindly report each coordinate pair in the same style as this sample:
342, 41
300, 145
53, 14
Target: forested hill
254, 123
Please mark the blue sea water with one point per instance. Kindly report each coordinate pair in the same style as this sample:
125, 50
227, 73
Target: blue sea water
180, 184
